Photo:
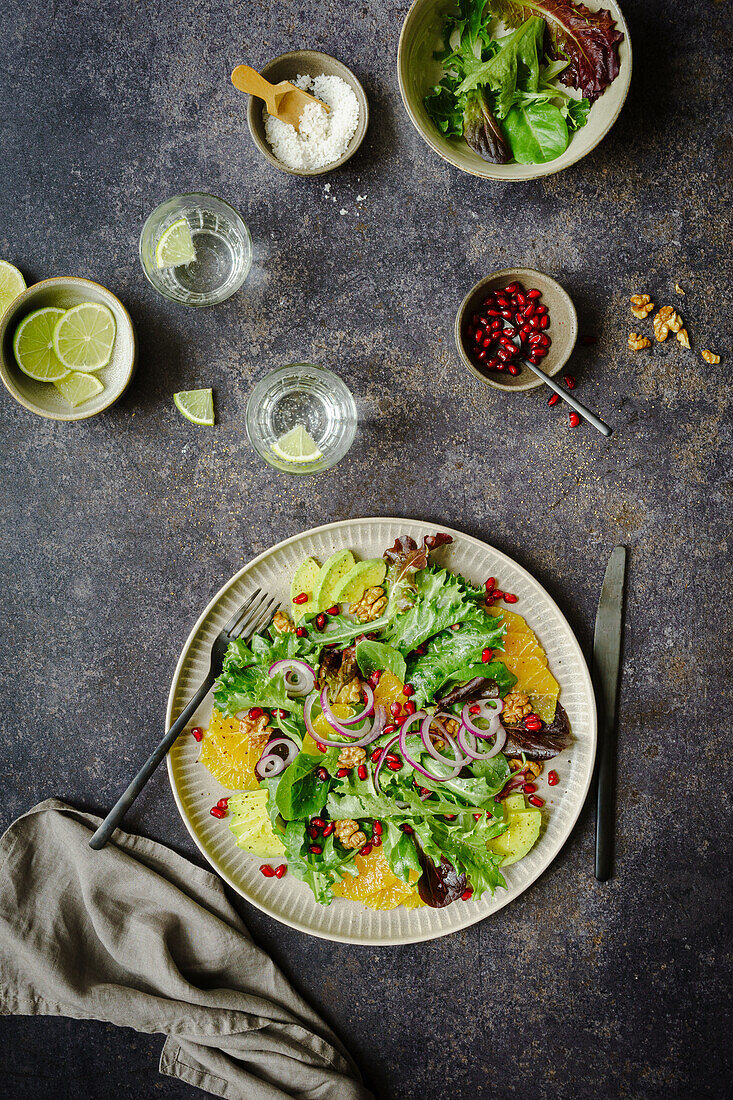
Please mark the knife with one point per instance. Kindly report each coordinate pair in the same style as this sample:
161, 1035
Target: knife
606, 662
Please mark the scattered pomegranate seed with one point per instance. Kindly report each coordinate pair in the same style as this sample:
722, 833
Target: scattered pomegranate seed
342, 773
574, 420
535, 800
529, 788
467, 894
377, 828
328, 829
477, 817
197, 733
301, 632
552, 778
365, 850
333, 610
320, 747
255, 713
498, 594
316, 849
320, 621
407, 829
267, 870
318, 822
395, 709
390, 728
553, 400
408, 690
301, 598
474, 710
362, 771
490, 584
421, 651
375, 755
322, 774
509, 597
487, 655
223, 803
216, 811
569, 381
281, 870
410, 708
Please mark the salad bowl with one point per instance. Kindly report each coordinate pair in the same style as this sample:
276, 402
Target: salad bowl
291, 901
418, 72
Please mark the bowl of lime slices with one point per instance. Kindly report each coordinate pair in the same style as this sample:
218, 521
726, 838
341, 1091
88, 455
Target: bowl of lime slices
67, 348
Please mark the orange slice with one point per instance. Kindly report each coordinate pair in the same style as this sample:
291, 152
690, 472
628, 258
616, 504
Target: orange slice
230, 755
524, 656
389, 690
376, 886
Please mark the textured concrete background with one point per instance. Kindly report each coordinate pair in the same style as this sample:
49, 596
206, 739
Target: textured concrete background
118, 530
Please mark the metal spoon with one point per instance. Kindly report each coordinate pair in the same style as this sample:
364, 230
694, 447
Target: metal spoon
571, 401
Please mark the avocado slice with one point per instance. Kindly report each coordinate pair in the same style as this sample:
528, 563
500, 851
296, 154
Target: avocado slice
362, 575
333, 570
521, 836
304, 580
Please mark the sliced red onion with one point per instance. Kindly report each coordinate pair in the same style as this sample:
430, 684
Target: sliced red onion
337, 723
370, 733
490, 714
299, 676
470, 750
458, 764
427, 736
270, 763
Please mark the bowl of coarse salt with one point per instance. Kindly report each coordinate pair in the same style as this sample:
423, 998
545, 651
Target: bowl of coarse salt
327, 138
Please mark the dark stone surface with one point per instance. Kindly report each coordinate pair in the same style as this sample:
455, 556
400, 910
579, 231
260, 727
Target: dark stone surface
118, 530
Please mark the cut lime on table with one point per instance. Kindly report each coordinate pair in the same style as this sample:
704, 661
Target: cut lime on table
296, 446
84, 337
175, 246
33, 345
78, 387
196, 405
12, 284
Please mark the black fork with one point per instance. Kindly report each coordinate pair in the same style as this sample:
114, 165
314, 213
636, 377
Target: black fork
252, 616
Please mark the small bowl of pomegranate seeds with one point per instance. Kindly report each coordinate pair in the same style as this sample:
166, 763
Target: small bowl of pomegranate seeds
512, 315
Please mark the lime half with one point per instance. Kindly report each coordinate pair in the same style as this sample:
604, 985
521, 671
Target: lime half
196, 405
175, 246
78, 387
84, 337
33, 345
12, 284
296, 446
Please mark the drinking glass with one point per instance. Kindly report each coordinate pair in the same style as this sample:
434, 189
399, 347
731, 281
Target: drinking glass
302, 395
223, 250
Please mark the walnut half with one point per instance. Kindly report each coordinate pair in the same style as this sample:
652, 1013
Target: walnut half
641, 305
349, 833
370, 606
516, 707
283, 623
637, 342
666, 320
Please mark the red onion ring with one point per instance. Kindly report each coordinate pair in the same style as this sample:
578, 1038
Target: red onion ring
338, 723
369, 734
491, 716
458, 764
270, 764
426, 735
470, 751
305, 675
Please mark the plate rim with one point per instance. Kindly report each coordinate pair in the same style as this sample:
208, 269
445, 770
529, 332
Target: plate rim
377, 941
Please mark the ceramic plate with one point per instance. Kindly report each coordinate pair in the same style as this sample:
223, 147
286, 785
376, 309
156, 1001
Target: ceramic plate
291, 901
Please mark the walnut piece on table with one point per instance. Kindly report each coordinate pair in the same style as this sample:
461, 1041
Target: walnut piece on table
637, 342
370, 606
711, 357
641, 305
683, 338
665, 321
679, 289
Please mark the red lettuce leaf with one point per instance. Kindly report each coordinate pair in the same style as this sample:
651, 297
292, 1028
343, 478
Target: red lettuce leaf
406, 559
587, 40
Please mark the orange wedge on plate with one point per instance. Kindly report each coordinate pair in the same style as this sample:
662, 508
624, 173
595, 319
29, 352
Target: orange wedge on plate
230, 755
376, 886
524, 656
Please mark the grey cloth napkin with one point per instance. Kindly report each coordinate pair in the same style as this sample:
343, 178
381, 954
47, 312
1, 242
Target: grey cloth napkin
136, 935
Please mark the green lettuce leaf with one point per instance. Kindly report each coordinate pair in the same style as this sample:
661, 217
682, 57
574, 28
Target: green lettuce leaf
464, 845
374, 656
452, 650
320, 872
515, 65
442, 599
300, 794
496, 670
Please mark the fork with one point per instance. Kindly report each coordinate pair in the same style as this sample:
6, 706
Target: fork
253, 615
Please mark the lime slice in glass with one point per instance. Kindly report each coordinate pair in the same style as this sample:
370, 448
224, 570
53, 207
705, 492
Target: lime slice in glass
12, 284
84, 337
296, 446
175, 246
33, 345
196, 405
77, 387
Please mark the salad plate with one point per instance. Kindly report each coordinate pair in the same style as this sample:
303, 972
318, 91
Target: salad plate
289, 900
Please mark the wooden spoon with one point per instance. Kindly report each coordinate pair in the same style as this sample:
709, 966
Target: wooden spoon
282, 100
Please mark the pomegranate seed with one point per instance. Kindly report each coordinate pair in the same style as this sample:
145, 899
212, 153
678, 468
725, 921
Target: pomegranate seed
394, 765
375, 755
315, 848
321, 621
520, 298
376, 841
365, 850
301, 632
318, 822
533, 722
486, 342
333, 610
481, 355
490, 584
534, 293
535, 800
498, 594
255, 713
394, 709
281, 870
507, 314
541, 310
513, 369
197, 733
569, 381
313, 832
487, 655
374, 677
328, 829
529, 788
509, 597
474, 710
301, 598
407, 829
467, 894
361, 771
552, 778
389, 729
574, 420
223, 803
553, 400
410, 708
492, 313
499, 365
544, 322
216, 811
421, 650
267, 870
588, 341
377, 828
540, 353
529, 310
450, 817
322, 774
408, 690
533, 359
477, 817
512, 288
342, 773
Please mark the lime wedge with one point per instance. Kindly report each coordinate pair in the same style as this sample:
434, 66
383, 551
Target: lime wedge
12, 284
84, 337
175, 246
296, 446
33, 345
196, 405
77, 387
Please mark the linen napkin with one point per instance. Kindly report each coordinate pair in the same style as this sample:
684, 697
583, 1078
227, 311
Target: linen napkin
137, 936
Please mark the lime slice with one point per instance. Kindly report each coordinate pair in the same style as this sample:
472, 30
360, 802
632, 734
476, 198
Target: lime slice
296, 446
12, 284
77, 387
84, 337
33, 345
175, 246
196, 405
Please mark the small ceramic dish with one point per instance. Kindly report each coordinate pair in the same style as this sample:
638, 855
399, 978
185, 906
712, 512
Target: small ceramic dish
43, 398
418, 72
562, 330
306, 63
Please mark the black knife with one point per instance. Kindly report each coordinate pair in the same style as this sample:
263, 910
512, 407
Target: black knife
606, 663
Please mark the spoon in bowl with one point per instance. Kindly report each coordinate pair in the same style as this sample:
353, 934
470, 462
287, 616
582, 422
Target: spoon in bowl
283, 100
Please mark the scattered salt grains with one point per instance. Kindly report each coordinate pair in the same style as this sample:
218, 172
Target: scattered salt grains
324, 135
